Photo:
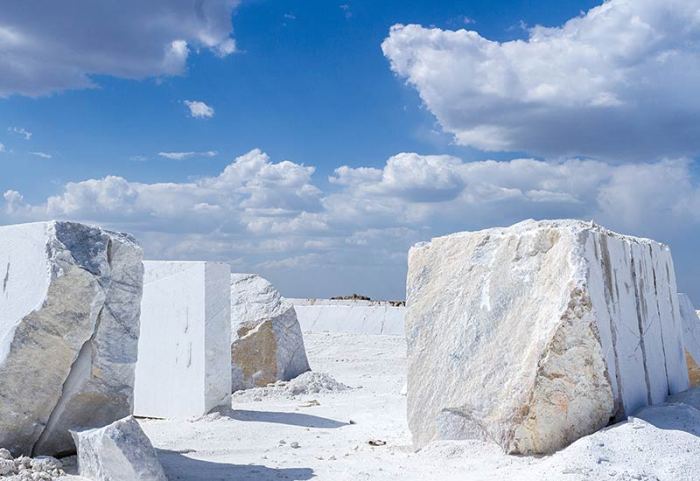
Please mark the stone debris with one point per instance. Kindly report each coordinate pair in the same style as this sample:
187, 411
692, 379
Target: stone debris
535, 335
306, 384
118, 452
69, 323
691, 338
183, 368
24, 468
266, 341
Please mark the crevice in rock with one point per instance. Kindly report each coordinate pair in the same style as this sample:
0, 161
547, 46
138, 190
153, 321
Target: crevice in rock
79, 371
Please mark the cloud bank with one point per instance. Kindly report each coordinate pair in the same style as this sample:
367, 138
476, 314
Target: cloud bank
353, 232
63, 48
619, 82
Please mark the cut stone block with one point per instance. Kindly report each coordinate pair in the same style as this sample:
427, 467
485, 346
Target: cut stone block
184, 366
691, 338
118, 452
350, 316
534, 335
266, 344
69, 321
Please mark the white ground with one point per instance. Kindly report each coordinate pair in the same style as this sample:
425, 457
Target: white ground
253, 440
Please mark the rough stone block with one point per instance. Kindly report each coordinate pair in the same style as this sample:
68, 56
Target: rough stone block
537, 334
69, 321
183, 366
118, 452
266, 344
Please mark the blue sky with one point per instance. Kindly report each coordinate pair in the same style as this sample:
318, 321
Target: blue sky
594, 118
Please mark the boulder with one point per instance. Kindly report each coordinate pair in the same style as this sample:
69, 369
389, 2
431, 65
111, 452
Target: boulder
535, 335
69, 322
266, 341
118, 452
691, 338
183, 367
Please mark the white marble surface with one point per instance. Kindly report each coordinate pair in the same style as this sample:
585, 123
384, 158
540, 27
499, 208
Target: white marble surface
537, 334
183, 367
350, 316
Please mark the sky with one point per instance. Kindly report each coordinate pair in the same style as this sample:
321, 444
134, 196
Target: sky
314, 142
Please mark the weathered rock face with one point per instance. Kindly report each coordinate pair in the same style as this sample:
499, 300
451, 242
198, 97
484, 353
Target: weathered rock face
691, 338
535, 335
69, 322
183, 367
118, 452
266, 341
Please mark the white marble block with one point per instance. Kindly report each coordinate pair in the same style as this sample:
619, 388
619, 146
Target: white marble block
266, 344
69, 321
691, 338
184, 360
534, 335
118, 452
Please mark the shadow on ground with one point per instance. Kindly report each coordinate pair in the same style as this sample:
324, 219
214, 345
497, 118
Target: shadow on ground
177, 466
292, 419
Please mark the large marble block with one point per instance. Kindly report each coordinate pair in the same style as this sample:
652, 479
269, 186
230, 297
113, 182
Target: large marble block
266, 344
184, 360
69, 322
534, 335
691, 338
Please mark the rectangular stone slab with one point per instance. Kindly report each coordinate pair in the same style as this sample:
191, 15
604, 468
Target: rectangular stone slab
69, 301
184, 360
534, 335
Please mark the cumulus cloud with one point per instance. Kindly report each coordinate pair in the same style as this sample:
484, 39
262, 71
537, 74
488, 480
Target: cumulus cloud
618, 82
353, 235
186, 155
45, 47
199, 110
21, 132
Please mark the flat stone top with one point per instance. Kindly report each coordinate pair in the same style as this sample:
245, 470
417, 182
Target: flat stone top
572, 226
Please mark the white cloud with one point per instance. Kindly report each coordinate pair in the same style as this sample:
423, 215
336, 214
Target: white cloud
2, 147
199, 110
20, 131
273, 218
47, 47
186, 155
617, 82
43, 155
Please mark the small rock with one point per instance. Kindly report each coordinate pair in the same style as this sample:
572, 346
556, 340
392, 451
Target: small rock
5, 454
295, 445
376, 442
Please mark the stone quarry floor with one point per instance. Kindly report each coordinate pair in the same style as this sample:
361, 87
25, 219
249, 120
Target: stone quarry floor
326, 436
